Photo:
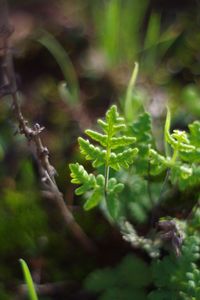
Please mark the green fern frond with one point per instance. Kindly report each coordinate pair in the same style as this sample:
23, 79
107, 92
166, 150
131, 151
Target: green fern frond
97, 194
80, 176
95, 198
118, 142
94, 186
195, 133
112, 153
178, 139
112, 200
92, 153
142, 130
158, 162
194, 138
123, 159
190, 157
178, 277
113, 119
98, 137
113, 123
115, 142
115, 187
186, 176
185, 153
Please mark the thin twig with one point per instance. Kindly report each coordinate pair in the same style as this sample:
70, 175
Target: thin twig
32, 135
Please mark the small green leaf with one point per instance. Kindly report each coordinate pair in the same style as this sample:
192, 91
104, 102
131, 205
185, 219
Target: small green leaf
98, 137
29, 281
114, 187
195, 133
80, 176
114, 123
186, 171
142, 128
178, 139
117, 142
123, 159
158, 162
113, 205
100, 180
112, 116
92, 153
94, 199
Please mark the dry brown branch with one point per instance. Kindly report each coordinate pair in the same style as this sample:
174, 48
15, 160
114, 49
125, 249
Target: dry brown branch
33, 134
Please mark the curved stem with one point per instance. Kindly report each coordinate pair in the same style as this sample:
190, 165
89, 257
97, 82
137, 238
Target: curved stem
175, 155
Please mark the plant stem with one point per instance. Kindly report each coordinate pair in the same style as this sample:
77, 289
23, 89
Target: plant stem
107, 170
175, 155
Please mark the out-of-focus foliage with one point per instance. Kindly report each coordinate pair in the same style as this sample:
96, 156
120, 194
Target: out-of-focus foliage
70, 90
173, 277
121, 282
24, 231
119, 35
96, 44
178, 278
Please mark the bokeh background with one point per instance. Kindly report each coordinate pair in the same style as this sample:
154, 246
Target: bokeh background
73, 59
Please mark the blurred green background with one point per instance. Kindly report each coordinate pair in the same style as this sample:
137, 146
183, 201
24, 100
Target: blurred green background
72, 60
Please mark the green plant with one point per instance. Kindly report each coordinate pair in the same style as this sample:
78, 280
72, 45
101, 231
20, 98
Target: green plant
29, 281
115, 153
119, 36
112, 154
180, 165
183, 163
121, 282
172, 277
178, 278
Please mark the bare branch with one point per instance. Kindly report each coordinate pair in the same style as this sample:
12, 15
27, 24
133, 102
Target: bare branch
33, 133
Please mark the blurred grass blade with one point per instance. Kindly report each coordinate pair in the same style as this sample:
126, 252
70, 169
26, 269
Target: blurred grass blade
151, 41
29, 282
167, 132
111, 30
132, 19
168, 38
119, 34
153, 31
66, 66
128, 105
